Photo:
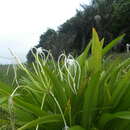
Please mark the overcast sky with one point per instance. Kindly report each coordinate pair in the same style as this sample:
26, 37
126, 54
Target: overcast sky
23, 21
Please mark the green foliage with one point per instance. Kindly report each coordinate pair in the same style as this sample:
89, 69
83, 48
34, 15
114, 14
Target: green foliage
6, 73
86, 94
9, 73
109, 17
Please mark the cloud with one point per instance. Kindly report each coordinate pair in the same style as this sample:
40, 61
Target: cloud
23, 21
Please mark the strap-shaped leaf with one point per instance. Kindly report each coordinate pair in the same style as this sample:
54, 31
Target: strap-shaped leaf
106, 117
90, 100
76, 128
112, 44
29, 107
95, 61
42, 120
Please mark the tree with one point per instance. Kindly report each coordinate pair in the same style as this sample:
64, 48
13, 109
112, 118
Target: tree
75, 33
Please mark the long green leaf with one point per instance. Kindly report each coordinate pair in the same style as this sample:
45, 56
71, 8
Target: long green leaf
120, 90
95, 62
42, 120
76, 128
82, 58
90, 100
112, 44
5, 89
106, 117
29, 107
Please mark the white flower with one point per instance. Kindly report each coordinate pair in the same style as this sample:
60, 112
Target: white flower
70, 61
39, 50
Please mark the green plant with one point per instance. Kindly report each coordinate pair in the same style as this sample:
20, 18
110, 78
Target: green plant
83, 95
6, 73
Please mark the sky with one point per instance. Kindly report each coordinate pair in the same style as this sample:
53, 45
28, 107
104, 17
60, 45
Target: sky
23, 21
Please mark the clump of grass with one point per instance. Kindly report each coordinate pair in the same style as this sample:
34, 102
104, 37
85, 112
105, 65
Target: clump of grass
83, 95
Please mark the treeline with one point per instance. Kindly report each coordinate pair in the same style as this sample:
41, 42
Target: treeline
111, 18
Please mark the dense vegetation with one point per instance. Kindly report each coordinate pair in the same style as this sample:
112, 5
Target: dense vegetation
73, 84
10, 73
7, 74
86, 94
109, 17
